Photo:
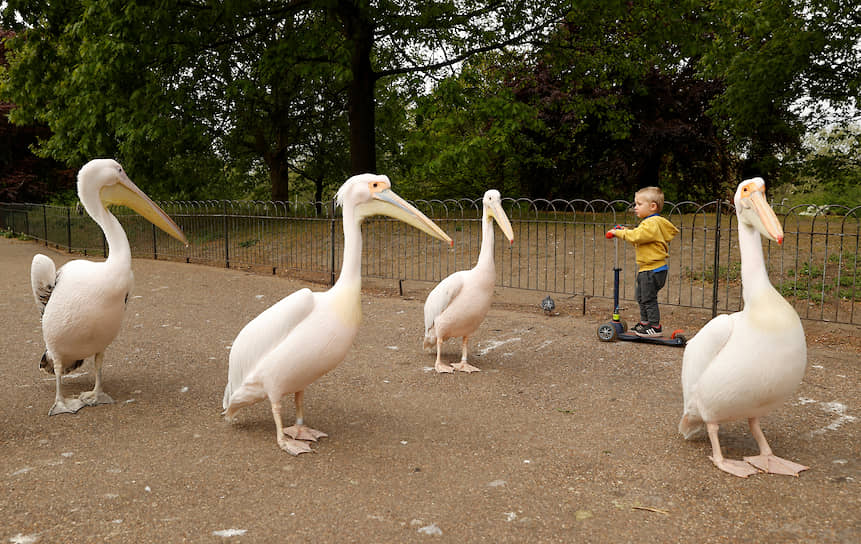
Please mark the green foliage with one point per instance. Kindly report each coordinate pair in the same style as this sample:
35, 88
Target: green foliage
731, 273
540, 98
467, 132
828, 170
839, 276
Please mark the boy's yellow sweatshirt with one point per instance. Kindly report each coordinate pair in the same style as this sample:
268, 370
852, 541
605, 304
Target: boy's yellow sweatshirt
651, 241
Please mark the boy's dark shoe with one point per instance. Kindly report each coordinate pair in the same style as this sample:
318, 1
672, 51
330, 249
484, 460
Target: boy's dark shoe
639, 328
647, 330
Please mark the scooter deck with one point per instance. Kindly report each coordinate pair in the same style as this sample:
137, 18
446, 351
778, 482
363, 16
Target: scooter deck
663, 340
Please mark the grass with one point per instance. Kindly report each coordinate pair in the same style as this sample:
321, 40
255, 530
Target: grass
731, 273
811, 281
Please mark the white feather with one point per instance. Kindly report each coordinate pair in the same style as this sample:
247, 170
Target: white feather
438, 300
43, 275
262, 335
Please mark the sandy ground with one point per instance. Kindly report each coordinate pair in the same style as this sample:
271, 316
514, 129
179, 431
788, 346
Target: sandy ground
560, 438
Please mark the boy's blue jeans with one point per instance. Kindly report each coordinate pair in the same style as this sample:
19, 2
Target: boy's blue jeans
649, 283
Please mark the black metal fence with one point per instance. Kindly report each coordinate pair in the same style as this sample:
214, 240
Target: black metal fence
559, 246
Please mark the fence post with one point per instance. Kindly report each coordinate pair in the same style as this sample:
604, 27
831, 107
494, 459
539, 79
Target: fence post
45, 222
154, 247
332, 242
69, 228
717, 260
226, 240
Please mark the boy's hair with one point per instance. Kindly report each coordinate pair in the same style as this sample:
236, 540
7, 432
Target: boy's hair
652, 194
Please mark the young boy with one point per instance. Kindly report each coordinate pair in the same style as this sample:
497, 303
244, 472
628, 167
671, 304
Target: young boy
650, 239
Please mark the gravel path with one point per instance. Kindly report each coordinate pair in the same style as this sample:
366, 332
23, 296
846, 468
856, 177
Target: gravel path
560, 438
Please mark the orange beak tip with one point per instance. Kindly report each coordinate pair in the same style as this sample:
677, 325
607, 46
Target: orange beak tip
451, 244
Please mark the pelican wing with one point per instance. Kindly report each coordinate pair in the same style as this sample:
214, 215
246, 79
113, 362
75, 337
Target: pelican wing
700, 351
440, 297
43, 278
263, 334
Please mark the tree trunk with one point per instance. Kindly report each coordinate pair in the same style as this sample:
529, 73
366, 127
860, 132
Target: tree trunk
279, 177
360, 35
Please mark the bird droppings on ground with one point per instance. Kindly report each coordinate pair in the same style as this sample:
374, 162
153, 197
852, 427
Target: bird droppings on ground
227, 533
24, 539
431, 530
490, 345
496, 483
836, 409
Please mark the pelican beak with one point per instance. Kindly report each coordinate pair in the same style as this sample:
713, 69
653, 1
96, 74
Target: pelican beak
495, 210
765, 220
386, 202
126, 193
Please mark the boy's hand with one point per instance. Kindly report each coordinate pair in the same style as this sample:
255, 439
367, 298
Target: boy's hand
612, 232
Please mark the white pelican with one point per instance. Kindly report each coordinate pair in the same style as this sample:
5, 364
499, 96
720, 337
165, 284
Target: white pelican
83, 303
307, 334
746, 364
457, 305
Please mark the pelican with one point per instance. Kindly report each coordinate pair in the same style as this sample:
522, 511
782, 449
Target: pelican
82, 304
307, 334
746, 364
457, 305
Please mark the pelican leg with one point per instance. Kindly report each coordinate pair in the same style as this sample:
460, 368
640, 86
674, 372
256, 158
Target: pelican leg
293, 447
463, 366
440, 366
300, 431
736, 468
96, 396
63, 405
766, 461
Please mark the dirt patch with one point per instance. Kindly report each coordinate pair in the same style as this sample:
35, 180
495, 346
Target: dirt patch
560, 438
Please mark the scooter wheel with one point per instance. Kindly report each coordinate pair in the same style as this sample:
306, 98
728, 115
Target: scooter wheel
607, 332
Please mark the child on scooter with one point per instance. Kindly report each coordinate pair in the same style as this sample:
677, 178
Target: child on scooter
651, 245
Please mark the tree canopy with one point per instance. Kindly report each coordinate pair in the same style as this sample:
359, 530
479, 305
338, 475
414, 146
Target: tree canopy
201, 89
540, 98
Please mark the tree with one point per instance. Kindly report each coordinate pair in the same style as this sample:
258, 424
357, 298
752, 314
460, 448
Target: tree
787, 67
686, 95
214, 81
597, 111
23, 176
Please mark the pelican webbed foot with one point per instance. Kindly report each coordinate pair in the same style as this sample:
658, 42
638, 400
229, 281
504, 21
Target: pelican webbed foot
66, 406
294, 447
303, 432
92, 398
736, 468
463, 366
773, 464
442, 368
